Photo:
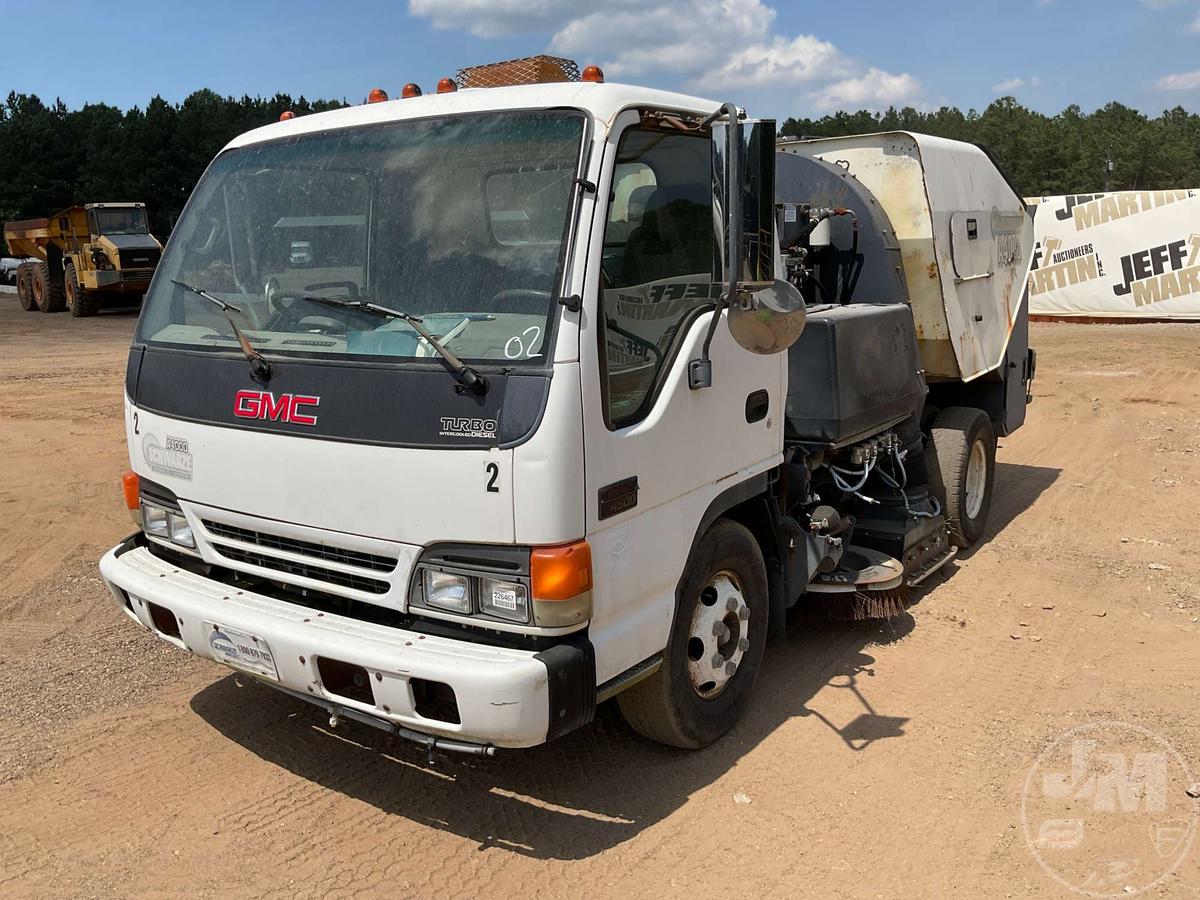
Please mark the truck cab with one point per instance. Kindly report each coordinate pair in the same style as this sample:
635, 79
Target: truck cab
484, 451
119, 253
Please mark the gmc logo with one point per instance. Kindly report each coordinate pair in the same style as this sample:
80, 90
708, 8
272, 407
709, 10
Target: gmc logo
284, 408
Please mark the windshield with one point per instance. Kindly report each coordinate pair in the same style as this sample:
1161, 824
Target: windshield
118, 220
459, 221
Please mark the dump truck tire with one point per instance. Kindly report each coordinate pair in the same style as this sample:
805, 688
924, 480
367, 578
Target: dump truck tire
47, 290
964, 468
715, 647
81, 303
25, 287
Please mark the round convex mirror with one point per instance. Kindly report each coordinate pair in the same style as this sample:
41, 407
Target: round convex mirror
770, 321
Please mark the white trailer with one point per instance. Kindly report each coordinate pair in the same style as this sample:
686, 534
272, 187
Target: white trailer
536, 419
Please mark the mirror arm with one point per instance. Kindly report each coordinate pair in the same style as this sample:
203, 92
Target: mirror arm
700, 370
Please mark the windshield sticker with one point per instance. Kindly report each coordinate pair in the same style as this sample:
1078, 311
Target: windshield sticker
453, 426
173, 458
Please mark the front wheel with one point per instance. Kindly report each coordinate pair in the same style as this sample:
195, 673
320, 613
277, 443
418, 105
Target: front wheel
81, 303
715, 647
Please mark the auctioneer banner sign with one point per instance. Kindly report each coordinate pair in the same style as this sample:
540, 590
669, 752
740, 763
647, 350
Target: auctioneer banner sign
1129, 255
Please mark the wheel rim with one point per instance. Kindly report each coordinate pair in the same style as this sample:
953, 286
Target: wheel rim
976, 481
70, 292
719, 635
37, 292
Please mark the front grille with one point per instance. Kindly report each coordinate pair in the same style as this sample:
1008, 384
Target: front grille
303, 548
303, 570
139, 259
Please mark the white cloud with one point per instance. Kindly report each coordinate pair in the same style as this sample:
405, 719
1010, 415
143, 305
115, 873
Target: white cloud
1008, 86
1012, 85
874, 90
1182, 81
1194, 27
710, 46
494, 18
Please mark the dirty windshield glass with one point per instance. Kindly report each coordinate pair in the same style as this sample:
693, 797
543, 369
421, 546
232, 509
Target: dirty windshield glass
460, 221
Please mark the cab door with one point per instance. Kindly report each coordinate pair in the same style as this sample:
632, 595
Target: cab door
657, 453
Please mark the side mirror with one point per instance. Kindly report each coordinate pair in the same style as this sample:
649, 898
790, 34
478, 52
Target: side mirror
766, 315
769, 320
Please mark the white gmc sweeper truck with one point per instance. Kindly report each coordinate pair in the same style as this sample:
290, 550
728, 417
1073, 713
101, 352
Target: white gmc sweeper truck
459, 414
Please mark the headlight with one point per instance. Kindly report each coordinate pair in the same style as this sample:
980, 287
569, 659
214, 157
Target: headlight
445, 590
154, 520
169, 524
504, 599
544, 586
181, 531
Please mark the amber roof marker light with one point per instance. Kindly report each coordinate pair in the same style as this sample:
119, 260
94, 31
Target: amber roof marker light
377, 95
286, 114
447, 86
410, 90
593, 74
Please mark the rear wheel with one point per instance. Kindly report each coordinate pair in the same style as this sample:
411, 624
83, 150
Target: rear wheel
80, 302
715, 648
965, 449
47, 290
25, 287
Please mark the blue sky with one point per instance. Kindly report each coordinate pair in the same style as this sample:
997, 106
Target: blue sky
776, 57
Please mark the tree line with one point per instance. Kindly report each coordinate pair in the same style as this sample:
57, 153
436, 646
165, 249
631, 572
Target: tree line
52, 157
1115, 148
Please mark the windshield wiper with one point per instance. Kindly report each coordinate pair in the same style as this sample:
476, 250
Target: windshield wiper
471, 379
260, 369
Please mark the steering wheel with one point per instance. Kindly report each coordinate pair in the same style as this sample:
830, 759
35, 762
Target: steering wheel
293, 314
512, 297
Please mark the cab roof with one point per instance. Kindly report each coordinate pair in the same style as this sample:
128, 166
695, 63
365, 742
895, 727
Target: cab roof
602, 101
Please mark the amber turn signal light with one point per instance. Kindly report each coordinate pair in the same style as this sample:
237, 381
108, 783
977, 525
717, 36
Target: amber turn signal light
129, 487
560, 573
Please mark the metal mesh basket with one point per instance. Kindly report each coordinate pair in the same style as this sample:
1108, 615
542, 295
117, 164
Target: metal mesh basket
529, 70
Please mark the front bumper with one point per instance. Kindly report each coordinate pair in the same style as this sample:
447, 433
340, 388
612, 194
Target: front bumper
505, 697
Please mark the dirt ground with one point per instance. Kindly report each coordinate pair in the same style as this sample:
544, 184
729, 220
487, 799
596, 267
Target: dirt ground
877, 761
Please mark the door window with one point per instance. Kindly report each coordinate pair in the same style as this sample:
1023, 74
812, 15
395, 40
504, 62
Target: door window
657, 272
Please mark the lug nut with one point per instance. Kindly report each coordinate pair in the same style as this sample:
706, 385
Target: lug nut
744, 644
717, 661
730, 668
721, 630
744, 613
731, 604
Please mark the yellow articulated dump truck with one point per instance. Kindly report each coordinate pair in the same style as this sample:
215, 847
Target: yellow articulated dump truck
82, 255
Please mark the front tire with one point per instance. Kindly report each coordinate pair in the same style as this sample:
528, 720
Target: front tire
715, 648
965, 448
81, 303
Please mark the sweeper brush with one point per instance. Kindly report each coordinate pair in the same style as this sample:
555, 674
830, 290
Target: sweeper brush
865, 585
857, 606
